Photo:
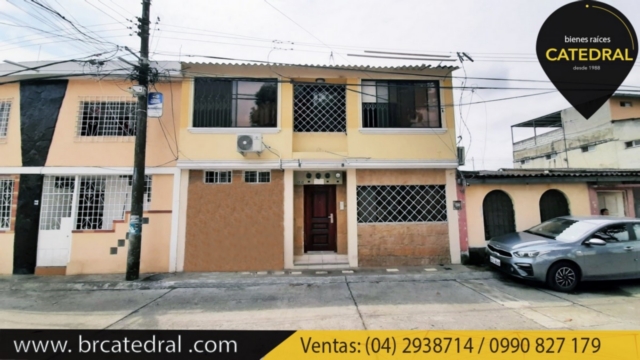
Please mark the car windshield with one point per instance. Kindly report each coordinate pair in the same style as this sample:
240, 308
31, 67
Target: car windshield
564, 230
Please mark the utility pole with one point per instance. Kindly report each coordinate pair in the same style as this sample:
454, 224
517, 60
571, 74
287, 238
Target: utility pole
137, 196
473, 161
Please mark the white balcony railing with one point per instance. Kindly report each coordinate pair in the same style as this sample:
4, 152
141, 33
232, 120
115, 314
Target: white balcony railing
544, 139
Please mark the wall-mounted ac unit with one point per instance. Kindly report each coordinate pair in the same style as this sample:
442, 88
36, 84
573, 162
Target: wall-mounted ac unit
461, 155
249, 143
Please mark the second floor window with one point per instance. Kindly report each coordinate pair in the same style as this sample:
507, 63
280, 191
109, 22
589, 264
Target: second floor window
5, 108
107, 116
319, 108
230, 103
400, 104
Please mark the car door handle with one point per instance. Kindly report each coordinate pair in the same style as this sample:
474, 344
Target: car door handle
628, 248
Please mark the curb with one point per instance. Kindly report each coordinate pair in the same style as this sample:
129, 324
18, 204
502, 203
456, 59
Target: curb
244, 280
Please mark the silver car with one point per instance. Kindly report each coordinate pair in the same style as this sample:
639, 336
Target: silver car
566, 250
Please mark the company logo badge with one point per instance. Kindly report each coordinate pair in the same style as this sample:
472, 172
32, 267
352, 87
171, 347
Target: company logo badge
587, 49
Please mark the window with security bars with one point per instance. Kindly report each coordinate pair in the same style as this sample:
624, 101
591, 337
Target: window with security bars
99, 200
225, 103
106, 116
400, 104
217, 177
257, 177
401, 204
319, 108
5, 108
6, 198
57, 201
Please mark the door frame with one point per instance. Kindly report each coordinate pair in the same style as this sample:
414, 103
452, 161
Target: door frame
623, 195
308, 207
486, 220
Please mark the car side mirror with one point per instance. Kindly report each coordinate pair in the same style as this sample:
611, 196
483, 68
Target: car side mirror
596, 242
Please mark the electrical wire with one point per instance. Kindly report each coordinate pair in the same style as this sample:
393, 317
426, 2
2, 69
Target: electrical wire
381, 70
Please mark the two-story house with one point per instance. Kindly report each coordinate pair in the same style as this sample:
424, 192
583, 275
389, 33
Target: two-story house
346, 166
250, 167
66, 154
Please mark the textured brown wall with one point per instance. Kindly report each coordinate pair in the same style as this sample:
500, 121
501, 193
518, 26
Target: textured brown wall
403, 244
401, 177
235, 227
298, 219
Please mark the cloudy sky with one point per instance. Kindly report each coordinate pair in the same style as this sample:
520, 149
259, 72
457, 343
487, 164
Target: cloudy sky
500, 35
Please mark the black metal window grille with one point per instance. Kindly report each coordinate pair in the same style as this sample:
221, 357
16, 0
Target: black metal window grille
107, 117
5, 109
319, 108
257, 176
224, 103
217, 177
6, 198
401, 104
401, 203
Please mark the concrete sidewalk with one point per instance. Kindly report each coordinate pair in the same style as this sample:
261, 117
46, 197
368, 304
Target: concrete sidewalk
234, 279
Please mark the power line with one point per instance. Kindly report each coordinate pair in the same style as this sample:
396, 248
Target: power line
372, 70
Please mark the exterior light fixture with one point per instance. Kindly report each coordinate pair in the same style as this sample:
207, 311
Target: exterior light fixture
320, 80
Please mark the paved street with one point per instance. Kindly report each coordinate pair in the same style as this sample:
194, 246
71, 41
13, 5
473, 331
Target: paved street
461, 298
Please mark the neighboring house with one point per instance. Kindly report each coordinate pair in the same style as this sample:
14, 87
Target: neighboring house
66, 156
610, 139
510, 200
270, 167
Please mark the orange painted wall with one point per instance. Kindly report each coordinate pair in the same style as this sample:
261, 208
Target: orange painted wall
10, 154
69, 150
90, 250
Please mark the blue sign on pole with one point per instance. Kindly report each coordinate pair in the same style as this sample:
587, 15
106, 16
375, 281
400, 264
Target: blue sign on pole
154, 105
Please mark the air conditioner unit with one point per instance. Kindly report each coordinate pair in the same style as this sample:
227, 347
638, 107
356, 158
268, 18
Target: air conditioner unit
249, 143
461, 155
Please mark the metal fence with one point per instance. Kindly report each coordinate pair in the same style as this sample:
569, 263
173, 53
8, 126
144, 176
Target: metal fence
401, 203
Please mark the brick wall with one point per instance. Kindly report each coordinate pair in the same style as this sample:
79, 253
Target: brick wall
403, 244
235, 227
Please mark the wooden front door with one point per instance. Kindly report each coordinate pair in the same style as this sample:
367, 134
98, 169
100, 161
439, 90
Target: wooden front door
320, 218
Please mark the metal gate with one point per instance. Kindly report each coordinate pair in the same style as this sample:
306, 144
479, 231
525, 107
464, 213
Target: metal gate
56, 220
498, 214
553, 203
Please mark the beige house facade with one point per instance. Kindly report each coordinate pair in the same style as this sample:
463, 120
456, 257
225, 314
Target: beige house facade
249, 168
510, 200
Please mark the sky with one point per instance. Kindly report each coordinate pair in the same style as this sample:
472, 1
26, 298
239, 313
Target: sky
499, 35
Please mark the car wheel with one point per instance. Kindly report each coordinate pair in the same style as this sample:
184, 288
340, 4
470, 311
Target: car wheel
563, 277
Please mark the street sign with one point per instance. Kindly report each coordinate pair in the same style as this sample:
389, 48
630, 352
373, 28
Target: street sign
154, 105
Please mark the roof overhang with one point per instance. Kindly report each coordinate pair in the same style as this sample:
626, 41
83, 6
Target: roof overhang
544, 176
265, 69
553, 120
34, 70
